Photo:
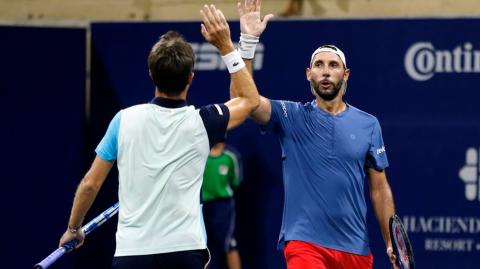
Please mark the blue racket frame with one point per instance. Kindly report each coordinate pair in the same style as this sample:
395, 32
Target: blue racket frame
88, 228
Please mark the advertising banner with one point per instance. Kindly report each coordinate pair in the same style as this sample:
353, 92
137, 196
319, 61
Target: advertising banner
419, 77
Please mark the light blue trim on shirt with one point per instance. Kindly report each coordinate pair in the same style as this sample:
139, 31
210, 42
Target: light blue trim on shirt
107, 148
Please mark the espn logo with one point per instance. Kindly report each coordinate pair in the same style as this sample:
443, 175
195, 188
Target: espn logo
470, 174
207, 57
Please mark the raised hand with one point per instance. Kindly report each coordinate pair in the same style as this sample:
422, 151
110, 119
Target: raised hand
251, 22
215, 29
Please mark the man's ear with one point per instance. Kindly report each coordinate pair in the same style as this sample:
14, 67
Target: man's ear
308, 74
150, 74
347, 74
190, 78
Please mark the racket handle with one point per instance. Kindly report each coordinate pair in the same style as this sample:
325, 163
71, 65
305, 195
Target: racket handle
70, 245
50, 259
57, 254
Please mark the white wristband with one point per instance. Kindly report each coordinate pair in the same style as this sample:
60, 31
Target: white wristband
233, 61
247, 45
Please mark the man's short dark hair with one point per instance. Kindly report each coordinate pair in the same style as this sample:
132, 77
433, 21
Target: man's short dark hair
170, 62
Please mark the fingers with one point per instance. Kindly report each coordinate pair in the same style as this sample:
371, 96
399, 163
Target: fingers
216, 14
245, 6
79, 244
392, 257
395, 266
205, 21
258, 5
249, 6
212, 16
215, 28
208, 20
252, 5
206, 15
240, 8
203, 30
266, 19
221, 17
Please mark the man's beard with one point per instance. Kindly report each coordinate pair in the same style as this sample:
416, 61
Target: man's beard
326, 95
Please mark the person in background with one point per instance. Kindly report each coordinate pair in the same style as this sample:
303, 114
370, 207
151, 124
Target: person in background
295, 8
223, 174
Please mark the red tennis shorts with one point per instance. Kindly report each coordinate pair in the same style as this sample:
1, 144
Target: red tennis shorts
302, 255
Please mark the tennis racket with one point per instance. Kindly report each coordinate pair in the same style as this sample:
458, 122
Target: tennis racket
88, 228
402, 248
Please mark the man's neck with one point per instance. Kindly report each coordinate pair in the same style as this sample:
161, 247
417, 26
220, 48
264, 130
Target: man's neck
333, 107
181, 96
216, 153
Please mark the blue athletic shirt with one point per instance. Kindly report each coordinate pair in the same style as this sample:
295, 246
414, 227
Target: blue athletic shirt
325, 158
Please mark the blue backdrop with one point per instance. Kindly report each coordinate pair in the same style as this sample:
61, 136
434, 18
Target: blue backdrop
42, 138
418, 76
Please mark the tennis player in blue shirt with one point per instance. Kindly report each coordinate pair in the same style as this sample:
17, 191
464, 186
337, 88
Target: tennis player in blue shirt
330, 149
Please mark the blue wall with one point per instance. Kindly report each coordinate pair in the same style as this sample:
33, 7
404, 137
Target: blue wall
424, 99
420, 78
42, 138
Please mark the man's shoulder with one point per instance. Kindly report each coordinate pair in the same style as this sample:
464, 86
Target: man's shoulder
287, 107
231, 153
214, 107
146, 107
358, 113
134, 108
289, 103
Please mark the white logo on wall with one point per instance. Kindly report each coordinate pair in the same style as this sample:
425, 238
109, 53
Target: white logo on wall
445, 233
208, 59
422, 61
470, 174
452, 234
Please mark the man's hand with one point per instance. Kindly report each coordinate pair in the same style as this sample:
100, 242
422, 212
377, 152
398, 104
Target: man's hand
215, 29
392, 258
69, 235
251, 22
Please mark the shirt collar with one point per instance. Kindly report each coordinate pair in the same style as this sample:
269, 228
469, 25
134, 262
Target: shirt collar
314, 104
168, 103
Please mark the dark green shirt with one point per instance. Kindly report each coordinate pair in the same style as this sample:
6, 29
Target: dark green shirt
221, 177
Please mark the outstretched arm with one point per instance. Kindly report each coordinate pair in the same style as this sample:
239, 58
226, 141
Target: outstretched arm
382, 200
215, 29
252, 26
87, 190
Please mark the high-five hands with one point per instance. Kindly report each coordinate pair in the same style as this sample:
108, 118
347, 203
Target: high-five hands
251, 22
215, 29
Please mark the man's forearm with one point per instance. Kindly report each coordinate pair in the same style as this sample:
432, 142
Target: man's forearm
244, 87
249, 67
384, 207
84, 197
